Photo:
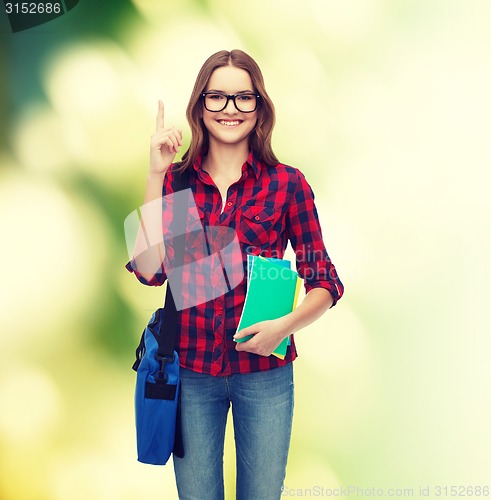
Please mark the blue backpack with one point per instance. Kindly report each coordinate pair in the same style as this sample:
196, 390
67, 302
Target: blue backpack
157, 409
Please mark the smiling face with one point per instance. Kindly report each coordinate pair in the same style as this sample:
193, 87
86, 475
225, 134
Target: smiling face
229, 126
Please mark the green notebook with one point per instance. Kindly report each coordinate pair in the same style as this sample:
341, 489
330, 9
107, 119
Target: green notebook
271, 293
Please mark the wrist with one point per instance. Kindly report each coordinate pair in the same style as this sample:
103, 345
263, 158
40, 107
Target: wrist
154, 186
155, 181
287, 324
153, 176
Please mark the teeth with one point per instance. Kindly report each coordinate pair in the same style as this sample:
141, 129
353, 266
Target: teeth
228, 123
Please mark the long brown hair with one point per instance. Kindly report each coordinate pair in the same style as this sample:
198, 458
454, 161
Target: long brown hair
260, 137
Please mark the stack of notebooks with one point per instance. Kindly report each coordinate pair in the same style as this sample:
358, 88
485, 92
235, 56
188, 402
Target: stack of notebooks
272, 292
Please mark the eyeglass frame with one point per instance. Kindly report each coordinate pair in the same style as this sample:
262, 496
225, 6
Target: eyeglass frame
230, 97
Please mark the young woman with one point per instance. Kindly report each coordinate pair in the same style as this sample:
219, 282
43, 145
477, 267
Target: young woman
237, 182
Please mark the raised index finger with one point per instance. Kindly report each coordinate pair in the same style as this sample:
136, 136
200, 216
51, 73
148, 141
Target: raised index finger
160, 116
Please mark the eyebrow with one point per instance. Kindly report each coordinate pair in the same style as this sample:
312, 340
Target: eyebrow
239, 92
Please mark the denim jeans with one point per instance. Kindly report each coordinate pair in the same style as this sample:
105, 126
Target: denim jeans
262, 411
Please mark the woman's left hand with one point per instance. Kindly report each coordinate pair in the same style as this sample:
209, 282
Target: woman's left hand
267, 335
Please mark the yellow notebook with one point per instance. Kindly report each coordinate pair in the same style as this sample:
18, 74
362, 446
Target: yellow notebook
272, 292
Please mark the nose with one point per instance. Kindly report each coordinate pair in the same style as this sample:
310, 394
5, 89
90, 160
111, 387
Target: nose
230, 107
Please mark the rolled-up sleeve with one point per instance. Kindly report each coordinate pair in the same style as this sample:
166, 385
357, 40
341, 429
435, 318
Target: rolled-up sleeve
305, 235
157, 279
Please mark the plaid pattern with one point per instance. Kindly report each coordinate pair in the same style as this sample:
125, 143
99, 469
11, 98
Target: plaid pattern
267, 207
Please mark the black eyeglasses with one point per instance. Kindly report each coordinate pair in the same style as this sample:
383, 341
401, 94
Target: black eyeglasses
217, 101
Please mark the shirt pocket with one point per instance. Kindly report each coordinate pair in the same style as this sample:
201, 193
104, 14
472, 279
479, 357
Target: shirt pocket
257, 225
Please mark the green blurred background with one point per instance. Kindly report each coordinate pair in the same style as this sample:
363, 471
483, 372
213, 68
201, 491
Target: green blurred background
383, 104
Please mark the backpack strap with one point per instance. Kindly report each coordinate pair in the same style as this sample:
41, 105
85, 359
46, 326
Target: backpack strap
168, 327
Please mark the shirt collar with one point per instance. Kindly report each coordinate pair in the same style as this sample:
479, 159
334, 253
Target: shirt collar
252, 161
255, 163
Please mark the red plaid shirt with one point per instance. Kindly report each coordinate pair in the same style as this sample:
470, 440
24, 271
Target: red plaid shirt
267, 207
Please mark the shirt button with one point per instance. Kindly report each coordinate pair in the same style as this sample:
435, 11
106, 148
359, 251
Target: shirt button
229, 203
257, 217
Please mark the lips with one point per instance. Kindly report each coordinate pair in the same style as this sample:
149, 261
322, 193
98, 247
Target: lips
230, 123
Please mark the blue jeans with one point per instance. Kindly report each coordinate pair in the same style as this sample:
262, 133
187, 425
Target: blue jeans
262, 410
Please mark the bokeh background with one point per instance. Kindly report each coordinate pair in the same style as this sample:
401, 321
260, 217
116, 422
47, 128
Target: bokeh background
383, 104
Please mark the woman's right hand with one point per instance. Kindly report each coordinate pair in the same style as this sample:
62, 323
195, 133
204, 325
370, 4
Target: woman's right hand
164, 145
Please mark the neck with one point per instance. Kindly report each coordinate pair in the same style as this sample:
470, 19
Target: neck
226, 159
